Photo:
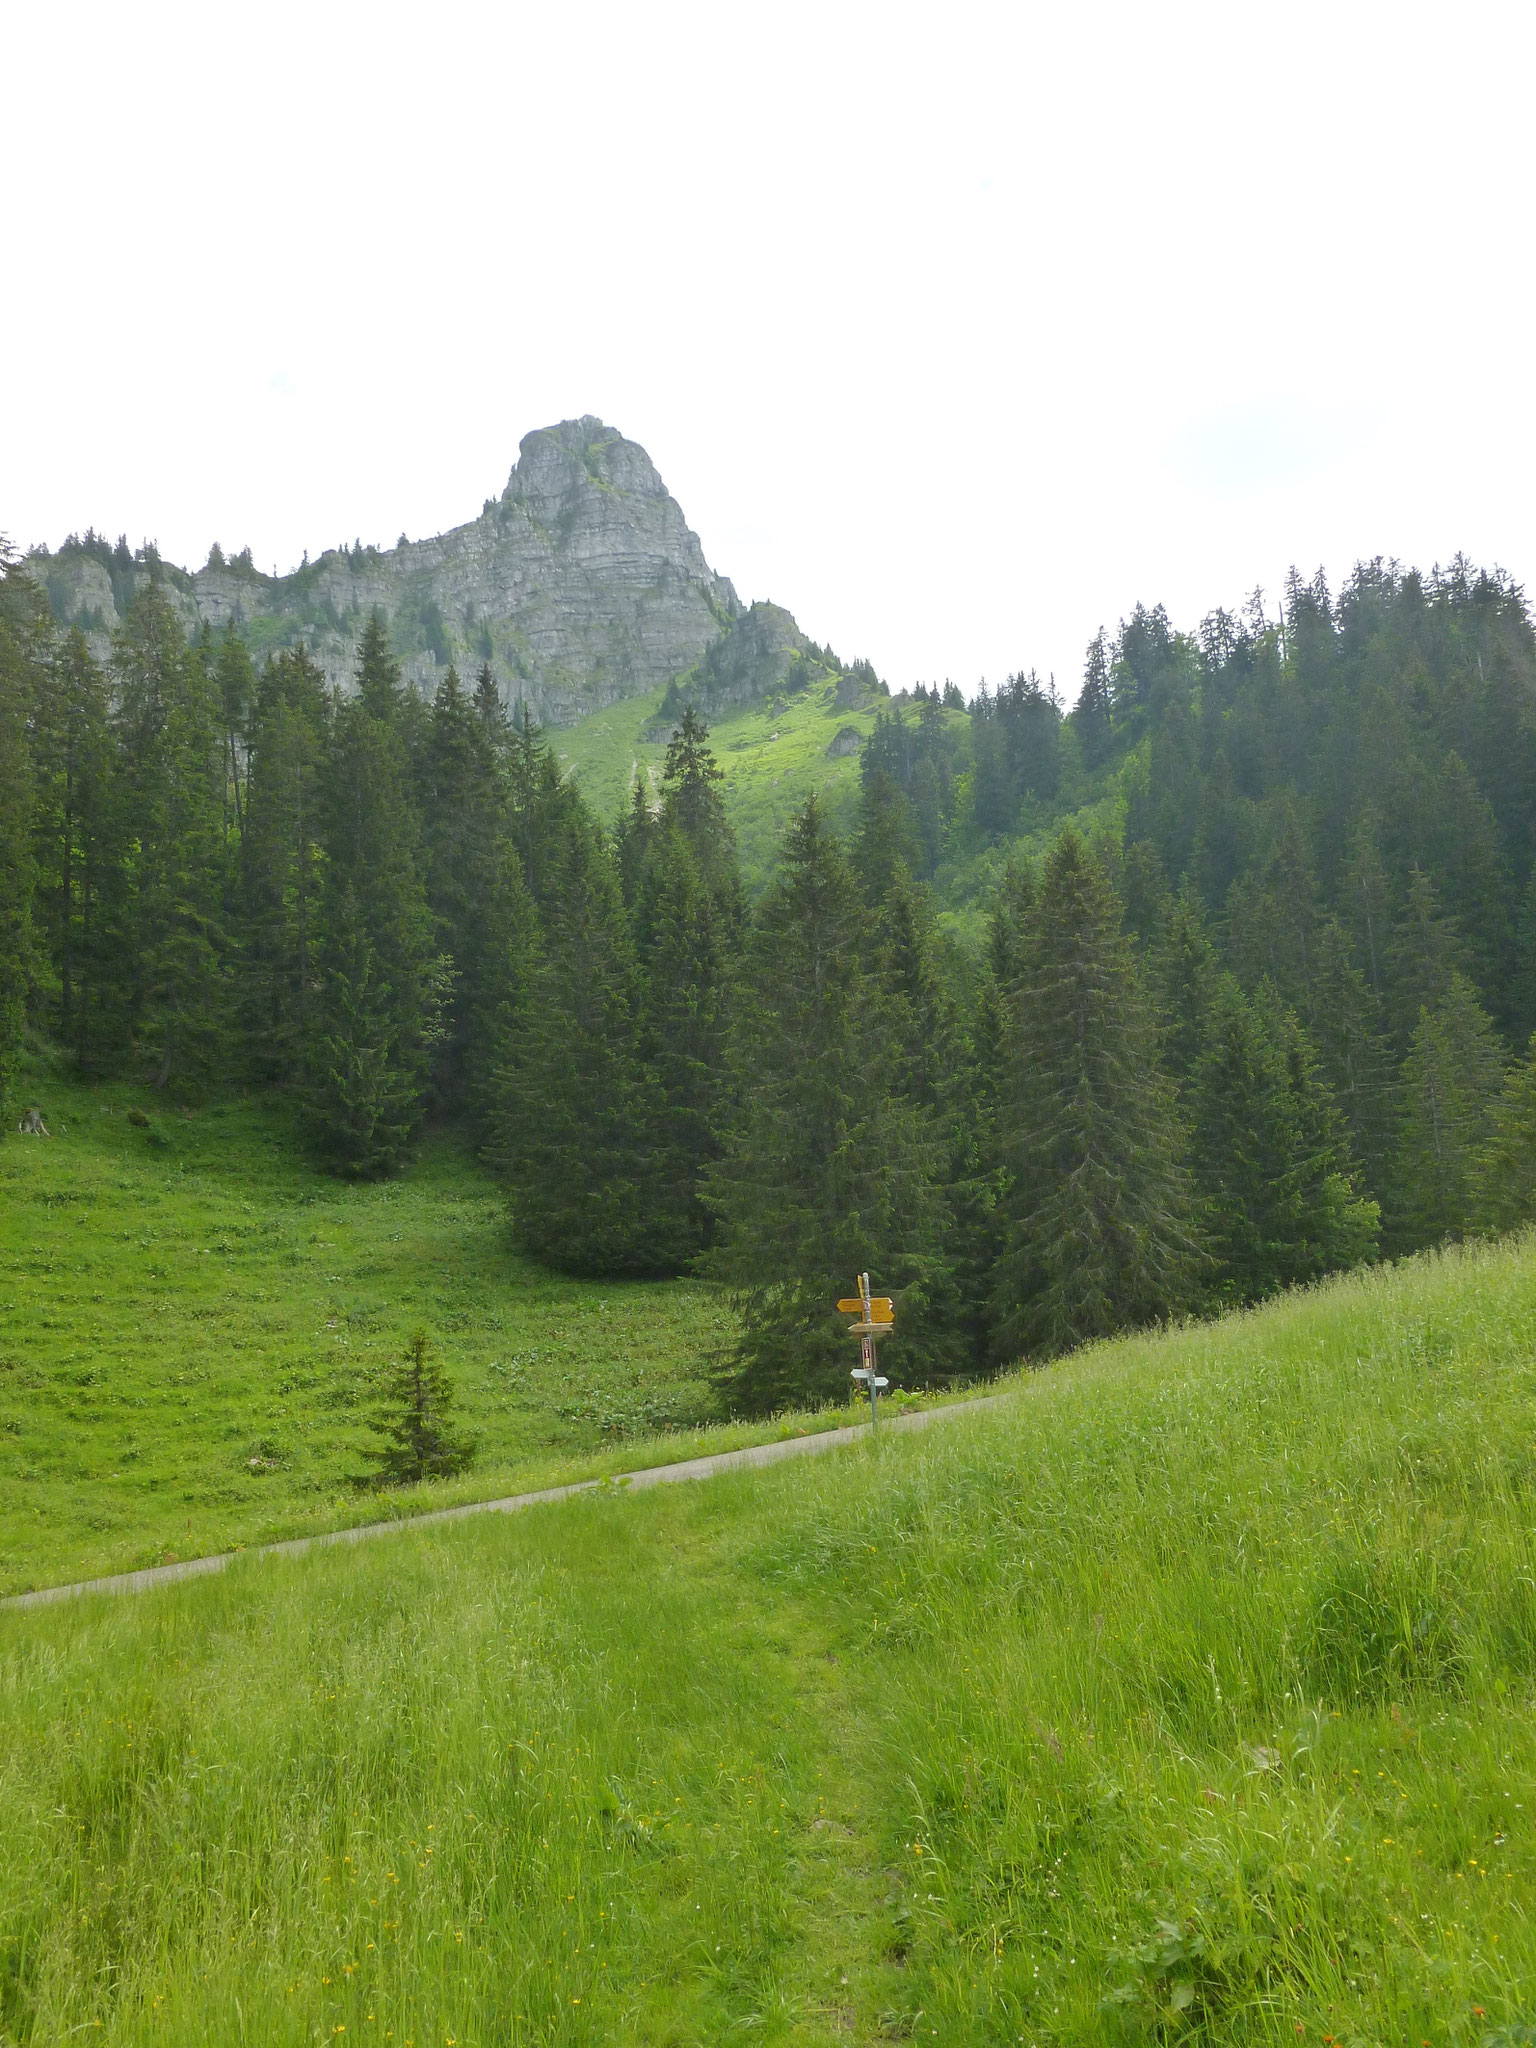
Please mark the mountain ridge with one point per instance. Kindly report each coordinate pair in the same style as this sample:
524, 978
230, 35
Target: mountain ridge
580, 587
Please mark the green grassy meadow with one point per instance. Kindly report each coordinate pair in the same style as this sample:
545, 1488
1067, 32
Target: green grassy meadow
771, 761
178, 1302
1188, 1697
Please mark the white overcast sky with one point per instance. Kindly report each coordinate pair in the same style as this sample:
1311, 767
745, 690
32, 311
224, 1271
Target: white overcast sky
955, 329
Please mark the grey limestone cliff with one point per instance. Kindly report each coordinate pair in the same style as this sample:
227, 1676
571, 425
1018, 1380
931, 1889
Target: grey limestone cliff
582, 584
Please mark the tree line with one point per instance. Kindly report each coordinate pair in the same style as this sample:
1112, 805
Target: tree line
1257, 1024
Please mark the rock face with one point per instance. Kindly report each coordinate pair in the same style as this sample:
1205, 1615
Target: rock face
762, 654
582, 584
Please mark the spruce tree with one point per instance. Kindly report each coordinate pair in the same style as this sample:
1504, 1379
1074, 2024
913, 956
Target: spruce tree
81, 856
633, 837
414, 1423
1505, 1175
686, 962
902, 948
572, 1131
1354, 1056
683, 888
379, 687
976, 1197
1183, 971
465, 821
1424, 954
1460, 836
490, 712
1092, 718
1008, 928
827, 1169
1281, 1201
236, 678
1271, 916
169, 727
499, 988
1143, 889
1223, 838
366, 1077
544, 809
383, 692
382, 982
282, 864
887, 842
932, 1070
1367, 904
994, 799
1522, 993
930, 788
691, 801
1452, 1077
1097, 1215
23, 642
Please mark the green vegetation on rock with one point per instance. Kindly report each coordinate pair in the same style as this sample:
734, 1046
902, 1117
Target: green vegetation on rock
772, 757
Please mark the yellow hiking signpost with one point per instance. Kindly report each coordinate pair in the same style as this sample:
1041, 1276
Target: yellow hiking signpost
876, 1319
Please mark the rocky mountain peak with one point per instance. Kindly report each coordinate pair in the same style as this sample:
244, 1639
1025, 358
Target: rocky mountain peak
581, 585
554, 461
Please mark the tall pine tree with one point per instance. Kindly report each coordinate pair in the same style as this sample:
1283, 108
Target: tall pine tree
1354, 1056
377, 1017
500, 986
172, 755
691, 801
1452, 1078
573, 1129
466, 827
1506, 1166
23, 646
282, 862
827, 1169
1281, 1201
687, 960
1091, 720
1424, 954
236, 677
82, 857
1098, 1229
544, 809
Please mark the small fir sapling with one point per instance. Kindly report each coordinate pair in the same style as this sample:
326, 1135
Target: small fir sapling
414, 1421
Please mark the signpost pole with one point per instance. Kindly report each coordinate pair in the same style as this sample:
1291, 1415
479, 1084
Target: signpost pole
876, 1319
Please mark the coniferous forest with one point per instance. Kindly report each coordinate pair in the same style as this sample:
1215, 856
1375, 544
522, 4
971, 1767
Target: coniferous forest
1255, 1001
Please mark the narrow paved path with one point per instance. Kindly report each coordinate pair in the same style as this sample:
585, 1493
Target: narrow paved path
653, 1475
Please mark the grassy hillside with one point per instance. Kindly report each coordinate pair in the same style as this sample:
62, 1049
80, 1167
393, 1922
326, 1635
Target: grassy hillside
190, 1318
1188, 1698
772, 760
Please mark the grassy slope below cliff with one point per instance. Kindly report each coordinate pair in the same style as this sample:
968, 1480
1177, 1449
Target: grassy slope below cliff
1199, 1681
772, 759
